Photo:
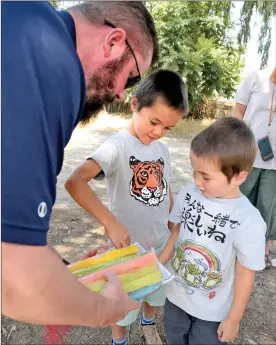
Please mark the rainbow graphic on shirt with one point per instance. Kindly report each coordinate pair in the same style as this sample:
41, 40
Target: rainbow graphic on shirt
197, 268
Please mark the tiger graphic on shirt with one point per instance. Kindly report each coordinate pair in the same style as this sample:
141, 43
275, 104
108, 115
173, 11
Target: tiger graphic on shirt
148, 184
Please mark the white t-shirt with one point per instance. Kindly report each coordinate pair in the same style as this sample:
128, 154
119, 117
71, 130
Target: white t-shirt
137, 178
213, 234
256, 93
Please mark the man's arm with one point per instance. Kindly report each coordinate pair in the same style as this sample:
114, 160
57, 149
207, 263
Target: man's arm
34, 276
244, 281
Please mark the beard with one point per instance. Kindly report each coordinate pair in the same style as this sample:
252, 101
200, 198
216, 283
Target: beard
100, 87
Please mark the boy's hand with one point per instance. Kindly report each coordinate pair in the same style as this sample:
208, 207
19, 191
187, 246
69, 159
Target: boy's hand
228, 330
118, 235
91, 253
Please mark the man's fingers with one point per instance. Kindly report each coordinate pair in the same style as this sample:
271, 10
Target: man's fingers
133, 305
112, 278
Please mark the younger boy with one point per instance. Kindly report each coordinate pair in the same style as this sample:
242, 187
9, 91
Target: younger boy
137, 170
221, 241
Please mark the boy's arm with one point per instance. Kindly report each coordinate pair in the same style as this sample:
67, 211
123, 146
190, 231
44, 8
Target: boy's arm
77, 186
244, 281
167, 252
171, 201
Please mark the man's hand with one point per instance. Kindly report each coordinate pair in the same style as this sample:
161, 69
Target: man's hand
122, 304
228, 330
118, 234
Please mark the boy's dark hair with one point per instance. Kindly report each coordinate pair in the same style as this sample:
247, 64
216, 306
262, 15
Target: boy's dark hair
166, 84
230, 142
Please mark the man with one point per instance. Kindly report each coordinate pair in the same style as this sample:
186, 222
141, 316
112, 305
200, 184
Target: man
58, 68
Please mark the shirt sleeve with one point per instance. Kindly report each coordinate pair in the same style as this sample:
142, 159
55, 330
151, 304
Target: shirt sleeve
176, 213
170, 165
107, 158
250, 244
29, 162
36, 123
245, 89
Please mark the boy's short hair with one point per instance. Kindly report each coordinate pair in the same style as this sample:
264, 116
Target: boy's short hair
230, 142
165, 84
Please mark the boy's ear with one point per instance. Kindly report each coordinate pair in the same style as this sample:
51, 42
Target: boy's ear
241, 177
134, 104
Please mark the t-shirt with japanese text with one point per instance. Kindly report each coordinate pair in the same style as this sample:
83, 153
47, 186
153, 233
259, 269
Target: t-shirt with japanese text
214, 233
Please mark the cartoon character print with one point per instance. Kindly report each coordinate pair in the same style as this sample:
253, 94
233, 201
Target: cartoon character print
148, 184
197, 268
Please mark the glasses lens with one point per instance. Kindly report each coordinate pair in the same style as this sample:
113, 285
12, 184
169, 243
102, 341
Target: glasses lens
131, 81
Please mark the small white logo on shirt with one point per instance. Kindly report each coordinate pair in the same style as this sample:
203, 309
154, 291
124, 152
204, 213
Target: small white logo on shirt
42, 209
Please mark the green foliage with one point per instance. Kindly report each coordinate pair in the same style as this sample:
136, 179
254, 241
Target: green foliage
195, 42
266, 9
54, 3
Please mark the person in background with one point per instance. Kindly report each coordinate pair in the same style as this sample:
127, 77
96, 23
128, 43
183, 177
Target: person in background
256, 105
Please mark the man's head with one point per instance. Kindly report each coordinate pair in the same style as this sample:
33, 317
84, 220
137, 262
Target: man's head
116, 43
159, 103
222, 155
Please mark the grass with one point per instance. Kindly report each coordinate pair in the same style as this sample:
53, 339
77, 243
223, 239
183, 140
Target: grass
186, 128
190, 127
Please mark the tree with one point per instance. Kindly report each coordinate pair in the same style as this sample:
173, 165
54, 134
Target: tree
54, 3
195, 42
267, 10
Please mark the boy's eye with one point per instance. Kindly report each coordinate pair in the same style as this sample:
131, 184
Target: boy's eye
153, 123
206, 178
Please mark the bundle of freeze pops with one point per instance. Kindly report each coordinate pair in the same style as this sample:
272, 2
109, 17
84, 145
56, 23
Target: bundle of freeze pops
138, 270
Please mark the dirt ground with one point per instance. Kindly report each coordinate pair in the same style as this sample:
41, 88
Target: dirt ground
74, 232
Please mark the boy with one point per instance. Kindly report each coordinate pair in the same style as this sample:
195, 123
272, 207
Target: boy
221, 241
137, 170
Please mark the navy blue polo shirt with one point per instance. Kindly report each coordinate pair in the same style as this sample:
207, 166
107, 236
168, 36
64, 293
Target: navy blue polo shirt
43, 94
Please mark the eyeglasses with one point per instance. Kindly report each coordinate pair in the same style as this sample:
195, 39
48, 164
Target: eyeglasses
131, 81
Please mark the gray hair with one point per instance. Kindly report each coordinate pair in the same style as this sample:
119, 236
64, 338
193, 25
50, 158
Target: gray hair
132, 16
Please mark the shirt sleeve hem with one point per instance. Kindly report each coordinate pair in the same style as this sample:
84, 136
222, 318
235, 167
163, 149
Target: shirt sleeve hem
175, 220
101, 174
20, 235
252, 267
240, 101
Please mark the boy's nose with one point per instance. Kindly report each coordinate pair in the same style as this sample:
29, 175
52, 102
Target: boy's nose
157, 131
197, 182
